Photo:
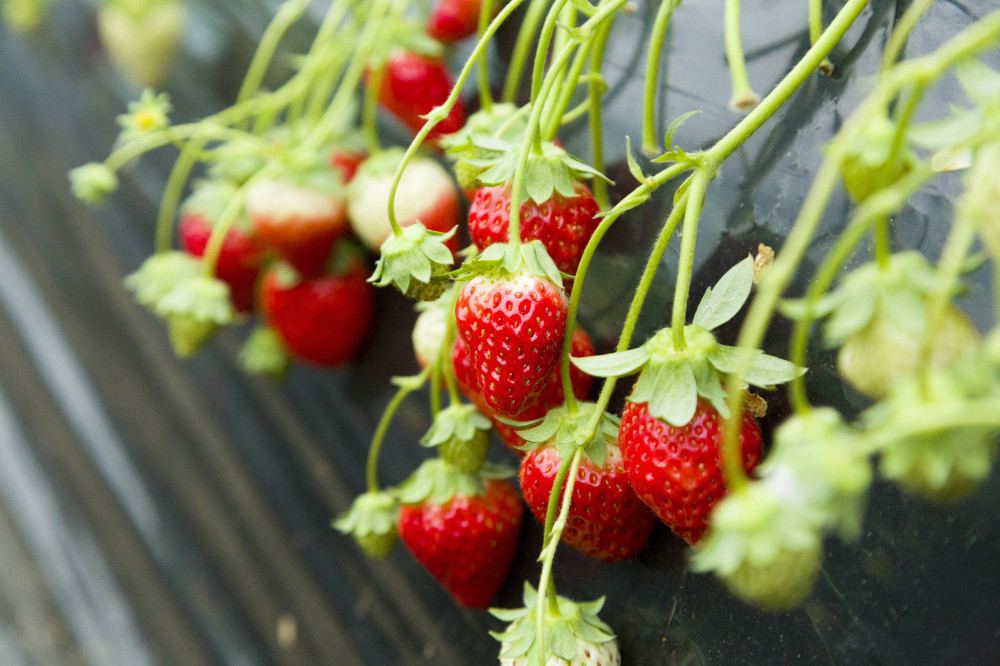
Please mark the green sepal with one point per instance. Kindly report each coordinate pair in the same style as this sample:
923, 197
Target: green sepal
616, 364
670, 389
567, 432
371, 520
723, 301
159, 274
201, 297
210, 197
415, 261
633, 166
562, 628
439, 481
505, 259
552, 171
753, 366
93, 182
264, 353
455, 422
188, 334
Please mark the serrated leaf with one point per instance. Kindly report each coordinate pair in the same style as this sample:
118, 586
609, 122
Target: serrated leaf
721, 303
615, 364
562, 642
670, 389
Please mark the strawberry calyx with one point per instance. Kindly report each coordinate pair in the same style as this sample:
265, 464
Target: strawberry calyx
438, 481
547, 172
826, 460
371, 520
505, 259
264, 353
93, 183
941, 462
764, 543
671, 380
461, 434
160, 273
870, 163
567, 432
566, 625
415, 261
484, 138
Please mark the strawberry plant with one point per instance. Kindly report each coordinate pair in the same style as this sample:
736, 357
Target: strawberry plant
501, 327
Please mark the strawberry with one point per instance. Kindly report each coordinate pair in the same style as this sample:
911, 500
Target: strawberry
429, 333
141, 38
675, 470
413, 84
454, 20
606, 519
564, 224
513, 325
300, 215
239, 259
346, 161
551, 396
463, 529
325, 319
426, 194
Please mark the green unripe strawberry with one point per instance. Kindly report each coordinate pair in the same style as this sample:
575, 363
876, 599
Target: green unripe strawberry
871, 165
371, 521
778, 585
461, 434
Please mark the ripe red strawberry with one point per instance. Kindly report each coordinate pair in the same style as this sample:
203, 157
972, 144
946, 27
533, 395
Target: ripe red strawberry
325, 319
675, 470
413, 84
468, 542
606, 519
426, 194
563, 224
239, 258
300, 216
552, 395
454, 20
513, 325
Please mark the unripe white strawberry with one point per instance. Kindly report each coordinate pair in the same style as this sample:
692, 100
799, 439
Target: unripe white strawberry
429, 333
587, 654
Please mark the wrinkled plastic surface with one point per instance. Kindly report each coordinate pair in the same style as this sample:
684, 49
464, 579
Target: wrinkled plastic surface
163, 511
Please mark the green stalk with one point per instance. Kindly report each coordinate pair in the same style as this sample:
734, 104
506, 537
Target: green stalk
383, 427
555, 114
743, 95
650, 142
316, 59
595, 91
485, 93
172, 194
522, 47
816, 29
901, 31
685, 266
289, 12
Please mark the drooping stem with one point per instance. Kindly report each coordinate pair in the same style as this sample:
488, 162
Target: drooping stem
408, 386
485, 93
595, 90
743, 96
522, 47
172, 193
650, 142
685, 265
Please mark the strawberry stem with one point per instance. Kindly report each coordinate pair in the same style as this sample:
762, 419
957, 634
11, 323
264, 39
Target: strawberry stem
901, 30
685, 267
525, 37
816, 30
595, 91
650, 142
485, 93
374, 449
172, 193
743, 97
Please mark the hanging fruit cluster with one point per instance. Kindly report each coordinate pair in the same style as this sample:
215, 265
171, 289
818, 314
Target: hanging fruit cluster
295, 193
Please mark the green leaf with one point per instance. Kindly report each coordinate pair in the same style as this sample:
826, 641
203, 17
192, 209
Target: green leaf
957, 129
615, 364
851, 316
721, 303
670, 389
668, 139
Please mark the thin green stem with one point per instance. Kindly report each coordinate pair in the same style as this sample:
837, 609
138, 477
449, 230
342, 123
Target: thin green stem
901, 31
558, 109
172, 193
595, 91
883, 244
522, 47
815, 20
685, 265
650, 142
371, 473
286, 16
743, 95
318, 61
485, 93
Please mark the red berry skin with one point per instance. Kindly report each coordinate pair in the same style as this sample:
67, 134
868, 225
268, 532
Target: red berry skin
454, 20
552, 395
563, 224
323, 320
413, 85
675, 471
514, 327
346, 162
606, 519
468, 543
239, 257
